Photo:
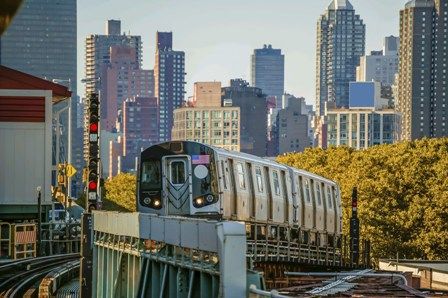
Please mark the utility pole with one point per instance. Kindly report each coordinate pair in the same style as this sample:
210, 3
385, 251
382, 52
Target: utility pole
354, 229
39, 221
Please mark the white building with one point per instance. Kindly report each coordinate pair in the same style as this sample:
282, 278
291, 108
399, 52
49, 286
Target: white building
380, 66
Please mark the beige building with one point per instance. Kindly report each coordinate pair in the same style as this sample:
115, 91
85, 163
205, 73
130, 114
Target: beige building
207, 94
206, 120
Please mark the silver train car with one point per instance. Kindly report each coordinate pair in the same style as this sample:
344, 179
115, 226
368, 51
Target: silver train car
192, 179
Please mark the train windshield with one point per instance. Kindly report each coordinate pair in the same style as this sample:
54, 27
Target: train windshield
151, 178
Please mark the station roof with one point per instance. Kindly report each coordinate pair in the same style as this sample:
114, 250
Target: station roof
440, 266
14, 79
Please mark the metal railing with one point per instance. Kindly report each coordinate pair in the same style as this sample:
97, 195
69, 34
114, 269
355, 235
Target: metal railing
60, 238
5, 240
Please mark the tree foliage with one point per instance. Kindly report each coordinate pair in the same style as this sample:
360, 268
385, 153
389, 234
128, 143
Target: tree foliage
402, 193
120, 193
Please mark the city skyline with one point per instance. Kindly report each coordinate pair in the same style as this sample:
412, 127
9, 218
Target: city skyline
221, 51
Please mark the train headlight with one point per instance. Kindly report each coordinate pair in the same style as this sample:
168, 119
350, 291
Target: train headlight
147, 200
209, 199
157, 203
199, 201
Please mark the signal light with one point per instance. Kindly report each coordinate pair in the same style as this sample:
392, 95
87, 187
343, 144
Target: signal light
93, 127
93, 185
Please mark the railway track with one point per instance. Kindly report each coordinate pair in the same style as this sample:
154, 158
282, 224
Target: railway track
19, 277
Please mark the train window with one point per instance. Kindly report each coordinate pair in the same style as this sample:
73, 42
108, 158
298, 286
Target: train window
276, 183
319, 199
307, 191
224, 176
299, 188
259, 180
241, 178
330, 203
177, 172
150, 178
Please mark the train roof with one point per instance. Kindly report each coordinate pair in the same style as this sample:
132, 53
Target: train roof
261, 160
267, 161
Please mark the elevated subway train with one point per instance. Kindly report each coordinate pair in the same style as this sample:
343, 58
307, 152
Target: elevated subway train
192, 179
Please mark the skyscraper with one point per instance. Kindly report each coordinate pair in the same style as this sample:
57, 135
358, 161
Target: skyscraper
340, 44
268, 72
41, 41
169, 78
98, 52
98, 60
122, 78
422, 76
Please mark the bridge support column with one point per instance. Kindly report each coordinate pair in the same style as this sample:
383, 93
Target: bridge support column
232, 252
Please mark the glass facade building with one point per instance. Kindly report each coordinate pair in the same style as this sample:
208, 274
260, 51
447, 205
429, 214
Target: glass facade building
41, 41
169, 77
268, 72
340, 44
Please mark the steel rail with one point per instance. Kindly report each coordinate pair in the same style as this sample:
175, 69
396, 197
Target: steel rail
338, 274
33, 261
8, 286
339, 282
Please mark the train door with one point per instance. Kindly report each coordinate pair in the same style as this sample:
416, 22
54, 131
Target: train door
233, 192
250, 179
286, 189
270, 204
177, 184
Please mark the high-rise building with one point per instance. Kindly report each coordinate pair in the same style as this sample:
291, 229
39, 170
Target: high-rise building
140, 129
380, 66
122, 78
169, 78
41, 41
422, 75
98, 52
109, 57
268, 72
253, 107
206, 120
340, 44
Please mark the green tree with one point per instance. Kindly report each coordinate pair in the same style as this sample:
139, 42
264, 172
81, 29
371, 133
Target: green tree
120, 193
402, 190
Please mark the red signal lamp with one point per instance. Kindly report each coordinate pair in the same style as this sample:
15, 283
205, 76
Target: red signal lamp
93, 185
93, 127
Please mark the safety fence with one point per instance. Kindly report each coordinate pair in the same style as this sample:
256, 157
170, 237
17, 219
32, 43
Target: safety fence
18, 241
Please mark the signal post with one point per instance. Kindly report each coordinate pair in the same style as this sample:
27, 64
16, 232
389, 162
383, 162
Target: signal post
93, 198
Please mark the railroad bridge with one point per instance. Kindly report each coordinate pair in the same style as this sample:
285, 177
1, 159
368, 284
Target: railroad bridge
145, 255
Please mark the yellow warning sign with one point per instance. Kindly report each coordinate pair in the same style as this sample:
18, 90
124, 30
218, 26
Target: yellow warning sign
70, 170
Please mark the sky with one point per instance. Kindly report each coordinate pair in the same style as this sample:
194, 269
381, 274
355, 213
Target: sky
218, 37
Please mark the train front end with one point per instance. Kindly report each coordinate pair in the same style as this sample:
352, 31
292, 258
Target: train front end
178, 178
